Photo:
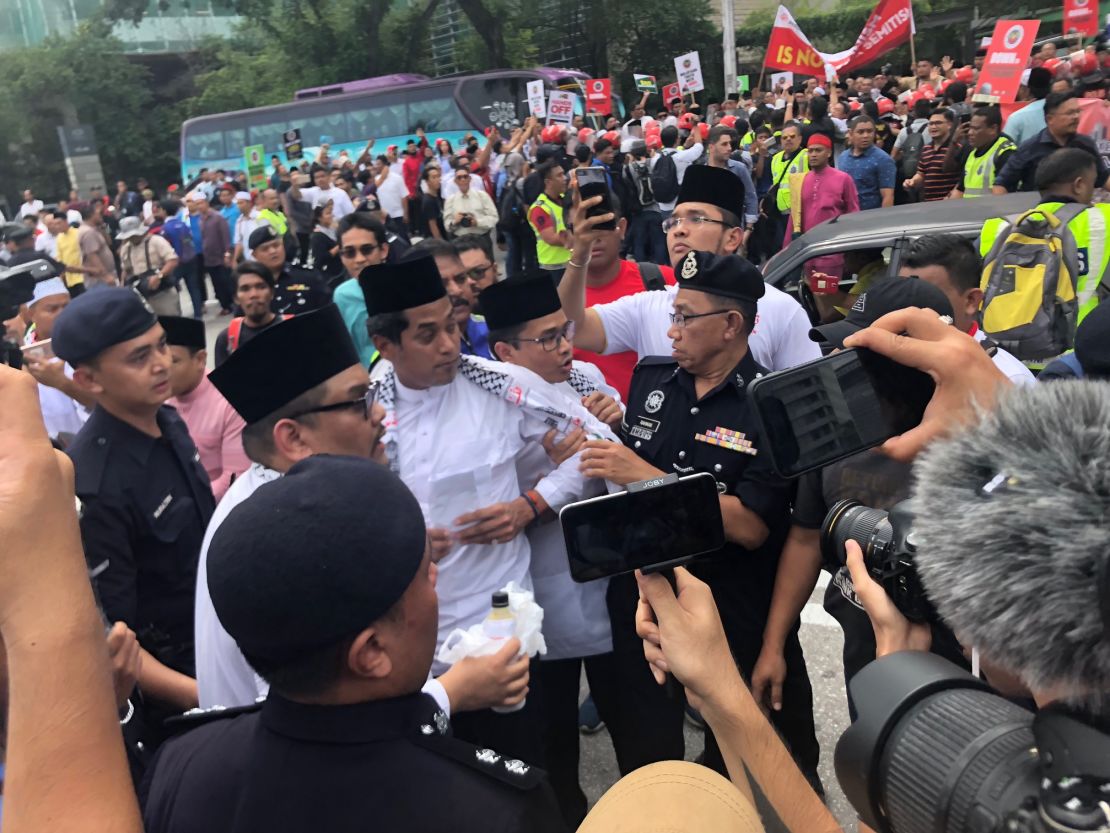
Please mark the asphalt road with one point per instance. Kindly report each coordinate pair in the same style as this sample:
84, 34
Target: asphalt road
822, 641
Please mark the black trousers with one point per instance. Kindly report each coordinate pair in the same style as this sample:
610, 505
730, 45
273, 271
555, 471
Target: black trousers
517, 734
560, 680
650, 724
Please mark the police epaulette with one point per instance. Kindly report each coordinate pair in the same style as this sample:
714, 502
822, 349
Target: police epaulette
500, 767
200, 717
659, 361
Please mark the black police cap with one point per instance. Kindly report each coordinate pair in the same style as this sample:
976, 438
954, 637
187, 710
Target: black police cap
284, 361
393, 287
98, 319
315, 556
729, 276
714, 186
518, 301
19, 234
886, 296
261, 235
183, 332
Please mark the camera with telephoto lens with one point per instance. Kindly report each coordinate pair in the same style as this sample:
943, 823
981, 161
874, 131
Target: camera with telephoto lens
888, 545
934, 750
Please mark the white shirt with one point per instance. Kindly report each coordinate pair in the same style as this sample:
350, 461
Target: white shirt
576, 618
475, 201
640, 322
148, 212
391, 195
61, 413
32, 207
453, 467
48, 243
1009, 364
243, 228
683, 159
341, 204
224, 677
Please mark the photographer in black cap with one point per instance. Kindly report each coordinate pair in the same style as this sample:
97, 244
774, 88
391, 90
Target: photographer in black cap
688, 413
335, 605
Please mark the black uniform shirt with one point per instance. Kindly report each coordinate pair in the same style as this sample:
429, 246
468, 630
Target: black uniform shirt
146, 502
388, 765
667, 425
299, 290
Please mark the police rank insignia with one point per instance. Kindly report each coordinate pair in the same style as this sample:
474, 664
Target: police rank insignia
726, 438
689, 266
654, 401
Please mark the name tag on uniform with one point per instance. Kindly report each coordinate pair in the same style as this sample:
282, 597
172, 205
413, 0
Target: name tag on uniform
162, 506
644, 428
726, 438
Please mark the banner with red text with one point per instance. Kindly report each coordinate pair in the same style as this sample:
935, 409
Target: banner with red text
670, 93
1081, 17
1006, 59
598, 91
889, 25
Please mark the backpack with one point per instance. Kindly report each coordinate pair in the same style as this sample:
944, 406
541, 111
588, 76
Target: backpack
652, 276
638, 176
512, 210
1029, 274
180, 236
664, 177
911, 153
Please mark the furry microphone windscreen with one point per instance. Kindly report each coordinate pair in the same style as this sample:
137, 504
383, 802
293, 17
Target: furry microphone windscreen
1012, 519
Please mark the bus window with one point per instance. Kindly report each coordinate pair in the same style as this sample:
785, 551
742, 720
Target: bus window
499, 101
235, 139
380, 119
435, 110
270, 135
205, 146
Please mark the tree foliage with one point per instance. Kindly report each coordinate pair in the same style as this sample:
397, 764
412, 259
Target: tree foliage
83, 79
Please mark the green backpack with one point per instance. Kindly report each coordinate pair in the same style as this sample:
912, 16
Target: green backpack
1029, 274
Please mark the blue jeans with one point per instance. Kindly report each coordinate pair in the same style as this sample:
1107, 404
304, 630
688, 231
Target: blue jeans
194, 283
649, 242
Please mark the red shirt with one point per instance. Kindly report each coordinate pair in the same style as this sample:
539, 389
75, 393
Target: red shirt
617, 367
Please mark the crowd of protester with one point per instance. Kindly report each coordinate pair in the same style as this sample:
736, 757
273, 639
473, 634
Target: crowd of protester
428, 352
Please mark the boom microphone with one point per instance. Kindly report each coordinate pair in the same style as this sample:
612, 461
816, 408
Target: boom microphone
1012, 517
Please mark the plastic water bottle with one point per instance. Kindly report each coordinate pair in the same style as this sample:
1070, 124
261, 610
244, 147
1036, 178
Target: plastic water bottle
500, 624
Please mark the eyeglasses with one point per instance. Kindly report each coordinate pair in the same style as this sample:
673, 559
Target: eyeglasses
681, 319
550, 342
478, 272
697, 220
366, 249
363, 403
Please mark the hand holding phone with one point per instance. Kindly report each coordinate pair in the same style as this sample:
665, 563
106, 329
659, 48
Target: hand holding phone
594, 182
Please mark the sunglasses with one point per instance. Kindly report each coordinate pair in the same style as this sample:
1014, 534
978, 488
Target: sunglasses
366, 249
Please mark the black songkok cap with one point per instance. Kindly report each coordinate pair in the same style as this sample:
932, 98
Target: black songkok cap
518, 301
98, 319
183, 332
393, 287
284, 361
309, 560
715, 186
729, 276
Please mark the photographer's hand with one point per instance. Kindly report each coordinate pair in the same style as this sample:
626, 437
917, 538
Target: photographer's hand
964, 374
893, 631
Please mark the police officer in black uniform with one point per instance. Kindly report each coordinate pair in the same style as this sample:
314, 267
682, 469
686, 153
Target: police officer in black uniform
324, 579
145, 496
690, 413
296, 290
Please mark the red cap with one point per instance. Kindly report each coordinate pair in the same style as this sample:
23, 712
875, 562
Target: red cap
854, 106
885, 105
653, 141
819, 139
965, 74
553, 133
928, 92
1084, 64
585, 135
703, 129
612, 137
944, 84
686, 121
729, 120
653, 129
1052, 64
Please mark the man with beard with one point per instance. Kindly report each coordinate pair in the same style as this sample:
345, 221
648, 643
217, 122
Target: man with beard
473, 333
254, 293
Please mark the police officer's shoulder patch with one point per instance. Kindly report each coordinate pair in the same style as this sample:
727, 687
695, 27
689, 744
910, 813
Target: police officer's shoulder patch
90, 464
503, 768
202, 717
